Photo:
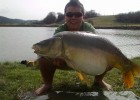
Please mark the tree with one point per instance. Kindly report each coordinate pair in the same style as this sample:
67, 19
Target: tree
91, 14
60, 17
50, 18
131, 17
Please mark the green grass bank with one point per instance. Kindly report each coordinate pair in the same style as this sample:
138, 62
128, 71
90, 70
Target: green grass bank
108, 22
16, 79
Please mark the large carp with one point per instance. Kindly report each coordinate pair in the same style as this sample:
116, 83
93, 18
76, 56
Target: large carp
88, 53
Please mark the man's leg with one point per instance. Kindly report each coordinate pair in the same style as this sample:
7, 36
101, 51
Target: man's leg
47, 70
100, 82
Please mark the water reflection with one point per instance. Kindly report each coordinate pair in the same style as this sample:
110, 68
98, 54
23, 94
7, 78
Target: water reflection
128, 41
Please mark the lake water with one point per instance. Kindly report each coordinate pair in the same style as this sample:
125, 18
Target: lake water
16, 42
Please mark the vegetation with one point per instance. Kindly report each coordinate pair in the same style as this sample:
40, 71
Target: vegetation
131, 17
17, 79
91, 14
110, 22
9, 21
120, 19
60, 17
51, 18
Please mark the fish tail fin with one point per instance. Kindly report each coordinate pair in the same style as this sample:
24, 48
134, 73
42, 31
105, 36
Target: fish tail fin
84, 78
128, 76
128, 79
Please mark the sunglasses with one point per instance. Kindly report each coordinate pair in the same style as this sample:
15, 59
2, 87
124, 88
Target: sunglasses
76, 14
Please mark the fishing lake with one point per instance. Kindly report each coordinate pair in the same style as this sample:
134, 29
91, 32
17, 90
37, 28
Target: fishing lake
16, 42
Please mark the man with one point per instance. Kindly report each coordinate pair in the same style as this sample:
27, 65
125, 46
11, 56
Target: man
74, 21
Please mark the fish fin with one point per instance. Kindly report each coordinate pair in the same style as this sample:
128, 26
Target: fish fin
136, 71
129, 75
128, 79
84, 78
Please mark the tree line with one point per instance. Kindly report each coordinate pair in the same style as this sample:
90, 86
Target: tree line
53, 17
131, 17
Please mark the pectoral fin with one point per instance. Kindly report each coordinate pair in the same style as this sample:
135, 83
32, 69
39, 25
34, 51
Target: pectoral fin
84, 78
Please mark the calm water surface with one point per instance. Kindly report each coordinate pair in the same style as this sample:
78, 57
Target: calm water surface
16, 42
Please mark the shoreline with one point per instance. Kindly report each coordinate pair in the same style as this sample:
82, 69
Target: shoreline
97, 27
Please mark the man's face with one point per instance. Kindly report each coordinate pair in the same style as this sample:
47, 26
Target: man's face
73, 18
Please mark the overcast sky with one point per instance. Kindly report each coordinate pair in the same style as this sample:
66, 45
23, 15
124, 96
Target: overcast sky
38, 9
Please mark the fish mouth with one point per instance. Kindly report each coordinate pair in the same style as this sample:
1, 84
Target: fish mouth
36, 48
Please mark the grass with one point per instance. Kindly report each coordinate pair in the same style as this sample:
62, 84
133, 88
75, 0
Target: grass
109, 21
16, 79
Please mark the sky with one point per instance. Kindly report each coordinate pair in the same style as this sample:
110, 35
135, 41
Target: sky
38, 9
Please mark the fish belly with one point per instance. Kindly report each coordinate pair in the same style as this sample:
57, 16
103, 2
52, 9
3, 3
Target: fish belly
89, 61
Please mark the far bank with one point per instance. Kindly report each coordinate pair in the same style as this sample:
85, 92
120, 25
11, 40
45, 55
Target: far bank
100, 22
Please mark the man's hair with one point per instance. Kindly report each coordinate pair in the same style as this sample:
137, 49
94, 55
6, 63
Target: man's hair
75, 3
